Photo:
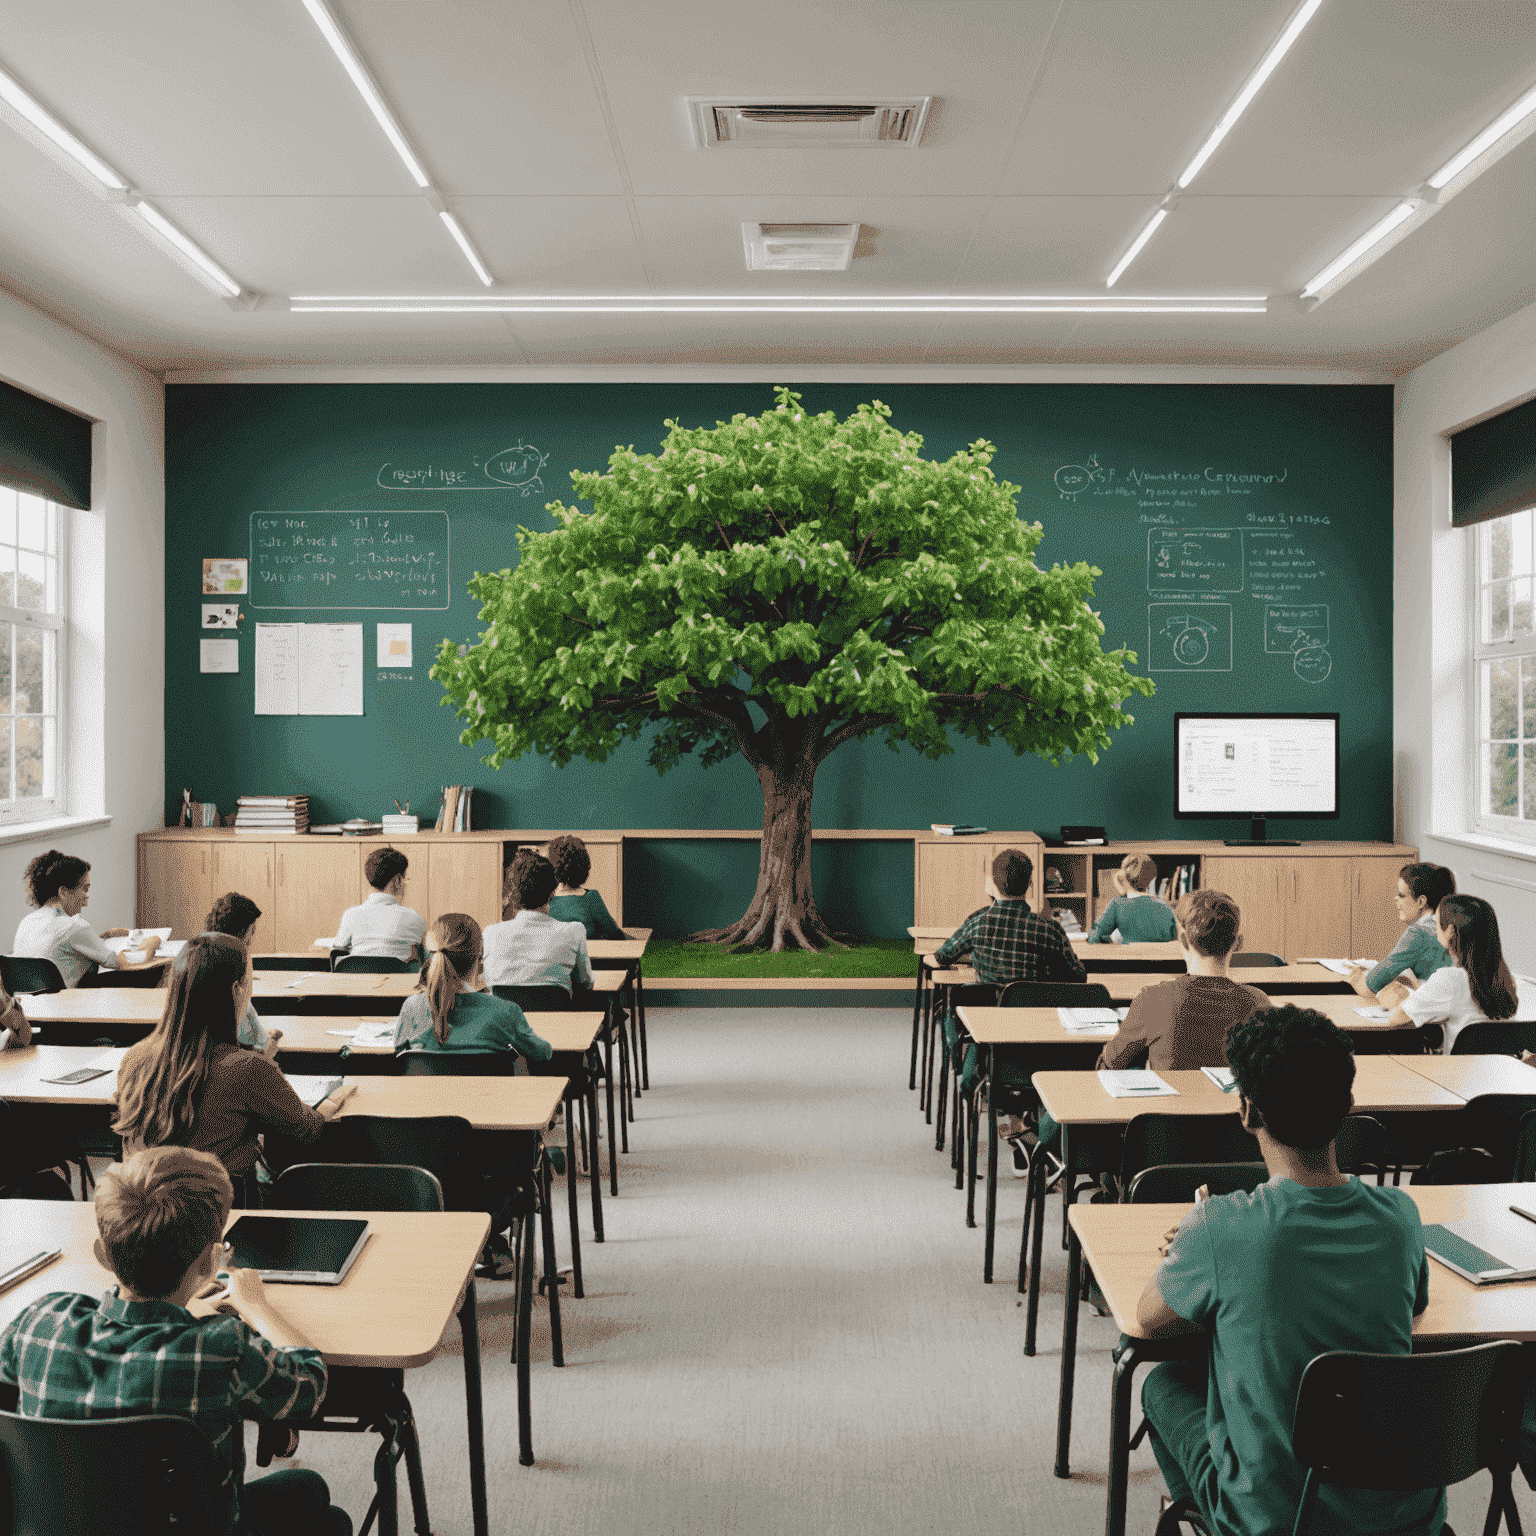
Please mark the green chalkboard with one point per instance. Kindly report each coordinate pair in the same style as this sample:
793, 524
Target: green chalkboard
356, 560
1244, 533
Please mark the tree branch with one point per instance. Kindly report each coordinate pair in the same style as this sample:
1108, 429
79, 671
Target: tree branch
731, 548
846, 732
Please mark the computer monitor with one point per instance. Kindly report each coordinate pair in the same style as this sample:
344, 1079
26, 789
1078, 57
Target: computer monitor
1258, 766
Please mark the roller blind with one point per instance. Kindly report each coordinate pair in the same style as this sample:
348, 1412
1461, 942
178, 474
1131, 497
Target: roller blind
1493, 467
44, 449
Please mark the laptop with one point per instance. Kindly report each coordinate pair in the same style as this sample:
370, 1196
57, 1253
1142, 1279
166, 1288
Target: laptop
295, 1250
1480, 1252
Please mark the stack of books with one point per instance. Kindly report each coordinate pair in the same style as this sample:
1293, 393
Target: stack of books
401, 826
266, 815
455, 813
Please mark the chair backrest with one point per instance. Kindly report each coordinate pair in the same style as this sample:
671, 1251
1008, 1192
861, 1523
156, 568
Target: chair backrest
1253, 957
439, 1143
458, 1063
1495, 1038
1524, 1169
66, 1476
386, 965
1459, 1165
1409, 1421
1153, 1139
1055, 994
285, 962
355, 1187
534, 999
1171, 1183
22, 974
1361, 1146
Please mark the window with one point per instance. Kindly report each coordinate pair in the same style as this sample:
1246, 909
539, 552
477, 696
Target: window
1505, 662
33, 614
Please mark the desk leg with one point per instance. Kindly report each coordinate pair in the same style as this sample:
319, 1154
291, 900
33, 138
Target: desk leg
917, 1019
925, 991
594, 1162
551, 1274
524, 1344
991, 1242
613, 1140
1037, 1243
386, 1494
628, 993
474, 1408
645, 1047
1068, 1357
570, 1200
1120, 1442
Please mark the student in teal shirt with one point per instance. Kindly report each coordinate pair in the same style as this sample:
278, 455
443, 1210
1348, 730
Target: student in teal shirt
572, 901
1420, 890
1141, 917
1310, 1262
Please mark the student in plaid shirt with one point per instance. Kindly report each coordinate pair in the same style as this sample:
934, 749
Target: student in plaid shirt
139, 1350
1008, 942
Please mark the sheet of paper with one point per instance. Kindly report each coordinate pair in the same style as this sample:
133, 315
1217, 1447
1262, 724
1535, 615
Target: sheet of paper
394, 641
277, 669
218, 655
221, 615
367, 1034
1089, 1021
1375, 1015
1339, 967
330, 669
311, 1087
1222, 1077
1136, 1085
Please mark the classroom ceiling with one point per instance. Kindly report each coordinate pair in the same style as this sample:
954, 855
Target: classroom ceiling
558, 133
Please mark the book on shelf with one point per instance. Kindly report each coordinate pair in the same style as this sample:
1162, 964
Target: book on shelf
273, 802
456, 813
954, 829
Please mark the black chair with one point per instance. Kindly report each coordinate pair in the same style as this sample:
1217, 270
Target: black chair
1153, 1139
23, 974
1176, 1183
1524, 1169
373, 965
951, 1061
1361, 1147
1459, 1165
59, 1477
1507, 1037
1253, 957
1484, 1140
1402, 1422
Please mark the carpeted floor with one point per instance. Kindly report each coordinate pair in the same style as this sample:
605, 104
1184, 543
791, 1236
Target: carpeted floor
786, 1332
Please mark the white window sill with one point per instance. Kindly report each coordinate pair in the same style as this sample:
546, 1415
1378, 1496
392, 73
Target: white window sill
24, 831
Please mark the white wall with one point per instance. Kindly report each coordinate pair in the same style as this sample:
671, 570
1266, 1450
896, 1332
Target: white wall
116, 726
1433, 707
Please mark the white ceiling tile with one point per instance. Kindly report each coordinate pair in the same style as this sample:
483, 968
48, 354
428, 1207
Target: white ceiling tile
559, 245
1054, 245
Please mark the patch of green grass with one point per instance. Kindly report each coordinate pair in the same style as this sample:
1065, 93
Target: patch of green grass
870, 957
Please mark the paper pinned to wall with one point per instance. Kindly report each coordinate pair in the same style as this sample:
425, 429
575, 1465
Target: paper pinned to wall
394, 642
218, 655
330, 669
277, 669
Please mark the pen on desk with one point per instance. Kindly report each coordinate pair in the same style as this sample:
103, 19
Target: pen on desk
1529, 1215
19, 1272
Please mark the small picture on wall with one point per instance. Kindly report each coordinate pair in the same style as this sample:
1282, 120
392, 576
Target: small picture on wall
221, 615
225, 578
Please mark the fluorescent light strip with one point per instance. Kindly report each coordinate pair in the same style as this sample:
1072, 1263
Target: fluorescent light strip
19, 100
321, 16
470, 253
1373, 236
841, 300
162, 226
1490, 136
1136, 245
298, 308
1267, 67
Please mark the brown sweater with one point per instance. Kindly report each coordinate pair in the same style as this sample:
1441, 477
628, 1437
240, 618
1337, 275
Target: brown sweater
1182, 1023
245, 1094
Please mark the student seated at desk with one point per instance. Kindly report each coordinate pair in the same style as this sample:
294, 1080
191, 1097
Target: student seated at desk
236, 915
138, 1350
380, 925
1141, 917
59, 886
1477, 984
1312, 1261
1418, 953
533, 949
572, 901
1006, 940
190, 1084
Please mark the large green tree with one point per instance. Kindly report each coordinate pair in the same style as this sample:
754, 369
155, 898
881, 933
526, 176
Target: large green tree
777, 586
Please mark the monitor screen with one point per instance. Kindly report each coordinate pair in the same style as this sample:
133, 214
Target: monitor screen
1256, 765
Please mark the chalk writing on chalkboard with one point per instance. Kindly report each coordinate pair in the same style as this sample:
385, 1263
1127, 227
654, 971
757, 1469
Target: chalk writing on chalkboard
1161, 491
1189, 637
360, 560
1195, 560
515, 468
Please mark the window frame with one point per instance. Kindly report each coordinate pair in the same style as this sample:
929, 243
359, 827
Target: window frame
1483, 654
16, 812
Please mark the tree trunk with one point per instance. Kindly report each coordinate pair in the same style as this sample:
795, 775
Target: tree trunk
783, 911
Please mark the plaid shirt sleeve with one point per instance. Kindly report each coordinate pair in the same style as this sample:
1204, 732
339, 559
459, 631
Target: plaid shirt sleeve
1063, 945
960, 941
277, 1383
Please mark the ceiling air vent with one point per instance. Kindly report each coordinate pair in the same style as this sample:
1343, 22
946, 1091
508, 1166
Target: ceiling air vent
811, 124
799, 247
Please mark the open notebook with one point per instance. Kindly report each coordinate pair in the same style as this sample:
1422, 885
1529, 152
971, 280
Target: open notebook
1480, 1252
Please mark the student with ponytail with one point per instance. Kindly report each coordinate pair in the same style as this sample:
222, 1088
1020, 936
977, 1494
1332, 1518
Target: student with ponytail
1477, 984
59, 886
453, 1011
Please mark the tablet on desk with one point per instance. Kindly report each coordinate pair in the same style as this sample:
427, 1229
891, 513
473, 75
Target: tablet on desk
291, 1250
1479, 1252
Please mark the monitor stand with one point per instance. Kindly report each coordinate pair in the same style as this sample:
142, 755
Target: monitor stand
1257, 839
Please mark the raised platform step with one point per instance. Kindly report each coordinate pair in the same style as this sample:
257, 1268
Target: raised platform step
780, 983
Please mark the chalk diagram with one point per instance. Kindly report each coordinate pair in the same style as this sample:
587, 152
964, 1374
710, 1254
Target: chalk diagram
1073, 479
1189, 637
515, 468
1191, 562
1300, 631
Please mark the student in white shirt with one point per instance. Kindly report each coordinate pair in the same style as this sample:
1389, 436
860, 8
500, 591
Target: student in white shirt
1477, 985
236, 915
381, 926
533, 948
59, 886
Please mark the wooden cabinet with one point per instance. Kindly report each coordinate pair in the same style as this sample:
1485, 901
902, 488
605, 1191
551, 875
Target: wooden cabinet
178, 882
1317, 895
246, 865
418, 883
1377, 926
317, 880
465, 877
951, 877
1254, 884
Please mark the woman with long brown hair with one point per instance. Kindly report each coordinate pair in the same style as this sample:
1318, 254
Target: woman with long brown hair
1478, 984
190, 1083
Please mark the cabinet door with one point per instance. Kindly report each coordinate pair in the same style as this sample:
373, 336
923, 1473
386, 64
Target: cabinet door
316, 882
176, 885
607, 878
418, 877
1255, 885
466, 877
1375, 925
951, 882
245, 865
1317, 895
